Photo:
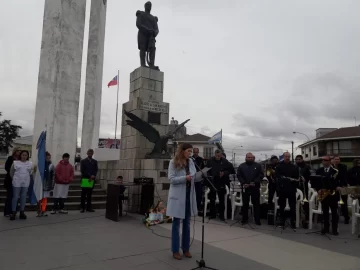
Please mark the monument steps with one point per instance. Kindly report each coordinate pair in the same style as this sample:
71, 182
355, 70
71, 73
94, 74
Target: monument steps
73, 200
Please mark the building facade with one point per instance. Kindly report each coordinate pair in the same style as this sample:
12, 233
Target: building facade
342, 142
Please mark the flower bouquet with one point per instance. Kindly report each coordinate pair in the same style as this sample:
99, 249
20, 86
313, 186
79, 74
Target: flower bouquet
156, 215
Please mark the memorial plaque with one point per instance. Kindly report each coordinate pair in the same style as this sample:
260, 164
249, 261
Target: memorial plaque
153, 106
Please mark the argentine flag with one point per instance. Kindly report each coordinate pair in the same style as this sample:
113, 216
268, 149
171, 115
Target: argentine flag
217, 138
281, 158
39, 176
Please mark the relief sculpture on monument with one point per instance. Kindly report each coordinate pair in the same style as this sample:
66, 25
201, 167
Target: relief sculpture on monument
160, 150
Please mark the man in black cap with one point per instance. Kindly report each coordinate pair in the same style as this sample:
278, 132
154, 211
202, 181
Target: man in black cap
220, 170
287, 176
270, 175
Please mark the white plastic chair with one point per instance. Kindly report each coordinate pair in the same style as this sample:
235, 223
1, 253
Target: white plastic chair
299, 199
314, 209
207, 200
355, 215
236, 201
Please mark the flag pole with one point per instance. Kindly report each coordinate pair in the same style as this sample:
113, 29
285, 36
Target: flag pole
117, 107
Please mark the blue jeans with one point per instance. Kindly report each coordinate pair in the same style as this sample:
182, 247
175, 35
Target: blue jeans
19, 192
175, 233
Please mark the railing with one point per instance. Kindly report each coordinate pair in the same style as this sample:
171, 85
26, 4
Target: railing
340, 152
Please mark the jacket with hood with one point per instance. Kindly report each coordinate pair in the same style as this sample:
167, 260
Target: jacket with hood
64, 173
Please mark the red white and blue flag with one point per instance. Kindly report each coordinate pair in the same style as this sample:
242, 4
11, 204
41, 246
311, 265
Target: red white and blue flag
113, 81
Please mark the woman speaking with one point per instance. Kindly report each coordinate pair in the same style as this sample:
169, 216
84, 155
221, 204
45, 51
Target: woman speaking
182, 198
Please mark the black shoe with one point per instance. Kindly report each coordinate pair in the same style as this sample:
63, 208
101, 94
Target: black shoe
22, 215
13, 216
293, 226
222, 219
90, 210
82, 211
324, 231
347, 221
335, 233
244, 222
258, 223
212, 217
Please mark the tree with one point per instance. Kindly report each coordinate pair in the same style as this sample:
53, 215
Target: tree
8, 133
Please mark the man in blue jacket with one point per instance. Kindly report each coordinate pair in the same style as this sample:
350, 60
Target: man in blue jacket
250, 175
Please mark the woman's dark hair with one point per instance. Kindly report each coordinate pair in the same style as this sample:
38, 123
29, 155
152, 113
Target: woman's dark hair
47, 154
120, 177
24, 151
66, 155
179, 159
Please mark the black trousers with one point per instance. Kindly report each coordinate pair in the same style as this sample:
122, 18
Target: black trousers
86, 195
221, 191
344, 207
271, 192
8, 201
254, 193
330, 202
199, 191
59, 204
291, 197
121, 199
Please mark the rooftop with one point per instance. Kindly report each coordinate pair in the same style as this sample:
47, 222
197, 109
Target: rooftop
341, 133
195, 138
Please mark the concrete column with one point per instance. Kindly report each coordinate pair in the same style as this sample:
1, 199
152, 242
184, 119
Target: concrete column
94, 73
57, 101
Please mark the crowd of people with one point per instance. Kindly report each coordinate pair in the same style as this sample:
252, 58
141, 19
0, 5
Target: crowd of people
56, 180
284, 179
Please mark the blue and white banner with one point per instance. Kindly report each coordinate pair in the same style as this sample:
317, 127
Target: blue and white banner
39, 176
217, 138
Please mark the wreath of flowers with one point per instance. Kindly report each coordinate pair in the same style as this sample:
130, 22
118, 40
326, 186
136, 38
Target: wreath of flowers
156, 215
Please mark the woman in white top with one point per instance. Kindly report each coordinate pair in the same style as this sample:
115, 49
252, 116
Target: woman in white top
20, 173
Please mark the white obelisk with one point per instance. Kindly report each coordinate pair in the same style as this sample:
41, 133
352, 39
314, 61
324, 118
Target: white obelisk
57, 102
94, 73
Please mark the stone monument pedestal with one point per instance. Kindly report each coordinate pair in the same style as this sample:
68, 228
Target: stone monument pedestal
146, 102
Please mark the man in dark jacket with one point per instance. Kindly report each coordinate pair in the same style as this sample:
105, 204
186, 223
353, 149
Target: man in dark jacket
250, 175
304, 173
270, 175
342, 178
199, 161
331, 184
89, 169
286, 185
221, 168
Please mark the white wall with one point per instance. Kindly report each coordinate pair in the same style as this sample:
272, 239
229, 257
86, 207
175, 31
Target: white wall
105, 154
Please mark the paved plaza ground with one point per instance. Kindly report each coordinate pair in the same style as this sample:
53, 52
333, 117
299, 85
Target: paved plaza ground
89, 241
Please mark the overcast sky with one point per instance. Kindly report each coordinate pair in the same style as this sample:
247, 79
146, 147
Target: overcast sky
250, 67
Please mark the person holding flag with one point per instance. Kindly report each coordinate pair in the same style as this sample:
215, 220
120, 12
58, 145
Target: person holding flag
48, 185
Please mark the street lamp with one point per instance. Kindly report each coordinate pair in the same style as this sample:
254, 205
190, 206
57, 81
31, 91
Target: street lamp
295, 132
233, 154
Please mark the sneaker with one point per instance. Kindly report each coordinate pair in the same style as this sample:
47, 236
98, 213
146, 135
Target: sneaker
13, 216
324, 231
82, 211
53, 212
63, 212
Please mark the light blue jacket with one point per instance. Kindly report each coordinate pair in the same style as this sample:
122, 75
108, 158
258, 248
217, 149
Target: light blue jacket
177, 193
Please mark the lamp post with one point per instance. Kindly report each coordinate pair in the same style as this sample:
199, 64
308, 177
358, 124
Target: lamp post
295, 132
233, 153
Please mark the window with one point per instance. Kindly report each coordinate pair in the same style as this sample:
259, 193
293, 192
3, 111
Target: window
314, 151
208, 152
309, 149
335, 147
302, 152
345, 147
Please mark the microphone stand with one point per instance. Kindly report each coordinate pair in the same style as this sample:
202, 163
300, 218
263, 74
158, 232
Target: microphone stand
201, 262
